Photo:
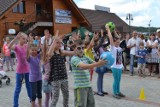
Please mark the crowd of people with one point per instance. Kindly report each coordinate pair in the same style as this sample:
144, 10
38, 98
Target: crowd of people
41, 62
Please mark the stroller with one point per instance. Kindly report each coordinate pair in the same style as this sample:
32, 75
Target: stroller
4, 76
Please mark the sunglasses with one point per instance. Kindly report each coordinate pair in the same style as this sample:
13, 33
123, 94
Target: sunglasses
80, 48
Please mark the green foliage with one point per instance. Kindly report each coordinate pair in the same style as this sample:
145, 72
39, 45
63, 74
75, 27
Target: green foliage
145, 29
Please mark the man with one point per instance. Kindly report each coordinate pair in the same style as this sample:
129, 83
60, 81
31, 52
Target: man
133, 44
48, 36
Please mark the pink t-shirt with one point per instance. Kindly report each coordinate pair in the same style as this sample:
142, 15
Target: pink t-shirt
21, 54
6, 50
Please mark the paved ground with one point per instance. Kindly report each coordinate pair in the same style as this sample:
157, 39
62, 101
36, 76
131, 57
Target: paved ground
130, 86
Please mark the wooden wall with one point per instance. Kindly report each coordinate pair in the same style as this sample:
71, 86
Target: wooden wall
12, 17
64, 28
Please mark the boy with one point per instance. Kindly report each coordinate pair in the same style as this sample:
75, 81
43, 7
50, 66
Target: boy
80, 66
141, 54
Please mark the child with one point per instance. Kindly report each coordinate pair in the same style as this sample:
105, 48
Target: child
88, 51
58, 74
35, 75
22, 71
7, 54
117, 66
141, 54
47, 88
82, 87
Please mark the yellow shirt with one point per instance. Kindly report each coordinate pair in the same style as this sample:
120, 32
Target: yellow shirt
89, 53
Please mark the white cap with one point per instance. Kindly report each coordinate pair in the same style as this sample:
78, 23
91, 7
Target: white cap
158, 30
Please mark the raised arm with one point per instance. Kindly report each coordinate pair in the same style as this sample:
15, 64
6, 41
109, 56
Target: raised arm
91, 45
28, 47
53, 45
10, 46
110, 36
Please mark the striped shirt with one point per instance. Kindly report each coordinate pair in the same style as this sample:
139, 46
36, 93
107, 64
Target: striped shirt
81, 76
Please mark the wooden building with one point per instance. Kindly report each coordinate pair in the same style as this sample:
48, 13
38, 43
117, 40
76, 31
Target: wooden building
63, 15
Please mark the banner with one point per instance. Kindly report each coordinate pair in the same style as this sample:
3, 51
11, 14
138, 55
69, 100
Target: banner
63, 20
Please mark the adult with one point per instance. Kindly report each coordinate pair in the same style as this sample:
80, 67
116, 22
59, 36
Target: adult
143, 39
158, 38
126, 51
133, 45
7, 54
152, 60
48, 37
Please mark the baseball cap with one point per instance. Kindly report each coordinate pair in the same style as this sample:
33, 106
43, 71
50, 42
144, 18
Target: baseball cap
158, 30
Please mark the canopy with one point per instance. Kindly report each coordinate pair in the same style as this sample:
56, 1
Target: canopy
82, 31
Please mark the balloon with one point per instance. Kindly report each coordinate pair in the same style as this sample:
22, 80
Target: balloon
111, 26
101, 70
109, 58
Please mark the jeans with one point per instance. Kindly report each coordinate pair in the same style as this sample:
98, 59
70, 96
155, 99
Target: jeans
36, 90
117, 78
19, 79
100, 71
131, 63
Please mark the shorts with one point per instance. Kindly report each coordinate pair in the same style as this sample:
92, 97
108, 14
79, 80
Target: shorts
46, 86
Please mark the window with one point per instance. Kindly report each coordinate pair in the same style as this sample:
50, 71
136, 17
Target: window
20, 8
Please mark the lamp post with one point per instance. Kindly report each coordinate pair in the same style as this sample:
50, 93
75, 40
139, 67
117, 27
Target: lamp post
149, 25
129, 17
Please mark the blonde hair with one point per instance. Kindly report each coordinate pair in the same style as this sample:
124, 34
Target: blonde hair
33, 46
23, 34
44, 50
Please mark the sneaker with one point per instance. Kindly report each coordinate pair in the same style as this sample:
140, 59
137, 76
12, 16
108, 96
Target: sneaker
121, 95
106, 93
100, 94
131, 74
116, 96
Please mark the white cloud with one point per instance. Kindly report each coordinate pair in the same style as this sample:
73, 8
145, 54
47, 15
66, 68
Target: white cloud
142, 10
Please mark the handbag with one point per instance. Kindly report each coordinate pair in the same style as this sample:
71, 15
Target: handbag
149, 50
47, 87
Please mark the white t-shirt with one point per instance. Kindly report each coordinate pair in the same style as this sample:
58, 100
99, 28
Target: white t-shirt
117, 53
154, 50
131, 42
42, 40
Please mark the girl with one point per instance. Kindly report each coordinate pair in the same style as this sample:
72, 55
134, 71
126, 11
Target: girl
88, 51
58, 75
99, 47
35, 75
47, 88
22, 71
117, 66
7, 54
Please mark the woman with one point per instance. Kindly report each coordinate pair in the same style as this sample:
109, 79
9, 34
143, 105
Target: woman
152, 60
126, 51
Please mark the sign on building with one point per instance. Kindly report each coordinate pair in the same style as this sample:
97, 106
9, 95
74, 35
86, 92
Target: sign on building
63, 16
102, 8
63, 20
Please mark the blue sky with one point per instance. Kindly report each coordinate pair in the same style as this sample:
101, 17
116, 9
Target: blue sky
142, 10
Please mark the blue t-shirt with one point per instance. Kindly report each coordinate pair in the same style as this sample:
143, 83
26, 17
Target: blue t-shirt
36, 42
141, 52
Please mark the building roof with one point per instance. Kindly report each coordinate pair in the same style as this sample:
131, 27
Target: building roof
100, 18
80, 16
5, 5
